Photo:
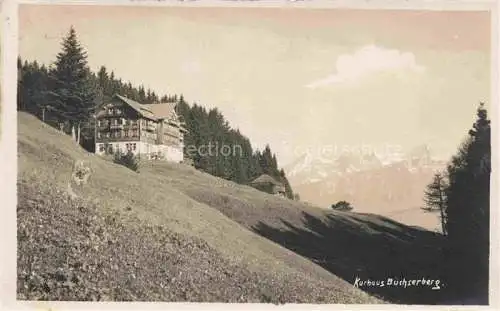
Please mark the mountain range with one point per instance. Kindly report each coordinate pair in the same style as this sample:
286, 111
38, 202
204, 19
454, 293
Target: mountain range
390, 184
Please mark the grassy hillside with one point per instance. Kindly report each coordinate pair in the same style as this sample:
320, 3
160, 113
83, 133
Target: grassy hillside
149, 236
173, 233
347, 244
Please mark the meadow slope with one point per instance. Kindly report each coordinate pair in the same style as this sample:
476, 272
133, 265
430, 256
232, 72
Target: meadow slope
347, 244
139, 237
172, 233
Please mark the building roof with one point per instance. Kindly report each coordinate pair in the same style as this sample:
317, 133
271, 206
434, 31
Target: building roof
141, 109
163, 110
155, 111
265, 179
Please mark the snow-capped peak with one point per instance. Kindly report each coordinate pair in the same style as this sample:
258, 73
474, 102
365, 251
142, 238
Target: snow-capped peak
310, 167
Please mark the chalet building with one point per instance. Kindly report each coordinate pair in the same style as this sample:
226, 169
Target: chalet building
149, 131
268, 184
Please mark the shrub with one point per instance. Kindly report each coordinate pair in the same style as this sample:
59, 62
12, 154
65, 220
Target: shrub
127, 159
342, 206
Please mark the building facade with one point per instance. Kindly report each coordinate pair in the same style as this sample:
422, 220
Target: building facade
149, 131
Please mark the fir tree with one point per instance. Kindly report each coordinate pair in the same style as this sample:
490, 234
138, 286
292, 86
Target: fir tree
467, 251
142, 93
435, 198
32, 88
72, 94
288, 188
266, 162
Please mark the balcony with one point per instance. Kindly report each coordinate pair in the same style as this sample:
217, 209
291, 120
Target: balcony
150, 127
116, 126
103, 126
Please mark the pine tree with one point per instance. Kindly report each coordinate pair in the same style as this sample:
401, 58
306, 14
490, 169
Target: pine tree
154, 97
142, 93
255, 168
32, 88
435, 198
72, 94
266, 162
102, 76
288, 188
468, 214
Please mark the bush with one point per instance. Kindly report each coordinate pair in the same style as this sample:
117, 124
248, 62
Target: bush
342, 206
128, 159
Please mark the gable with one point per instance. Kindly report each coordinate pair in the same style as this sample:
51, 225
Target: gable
116, 107
155, 112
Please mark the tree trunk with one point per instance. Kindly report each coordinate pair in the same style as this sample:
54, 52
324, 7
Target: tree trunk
73, 135
78, 134
441, 210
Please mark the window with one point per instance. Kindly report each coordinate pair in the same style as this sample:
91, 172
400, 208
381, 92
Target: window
108, 135
134, 146
101, 147
98, 122
98, 134
126, 133
118, 134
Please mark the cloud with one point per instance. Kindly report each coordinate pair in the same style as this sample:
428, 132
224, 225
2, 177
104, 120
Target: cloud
366, 61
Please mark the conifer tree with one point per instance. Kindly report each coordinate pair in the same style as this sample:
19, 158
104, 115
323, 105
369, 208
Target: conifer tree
142, 93
435, 198
468, 210
255, 167
288, 188
72, 94
266, 162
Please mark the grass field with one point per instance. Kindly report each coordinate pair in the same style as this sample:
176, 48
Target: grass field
172, 233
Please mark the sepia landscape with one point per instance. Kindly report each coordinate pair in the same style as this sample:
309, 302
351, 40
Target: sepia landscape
253, 155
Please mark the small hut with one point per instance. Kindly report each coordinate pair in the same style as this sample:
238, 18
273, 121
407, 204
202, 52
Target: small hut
268, 184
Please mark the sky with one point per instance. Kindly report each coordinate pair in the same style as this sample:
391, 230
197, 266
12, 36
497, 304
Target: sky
301, 80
